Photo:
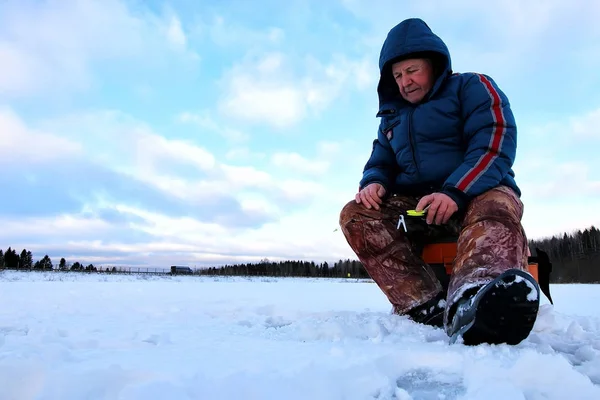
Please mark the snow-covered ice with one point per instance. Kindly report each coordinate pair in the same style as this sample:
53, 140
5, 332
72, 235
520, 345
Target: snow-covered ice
94, 336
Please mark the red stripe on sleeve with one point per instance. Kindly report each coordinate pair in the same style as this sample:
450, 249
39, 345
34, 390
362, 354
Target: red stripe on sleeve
499, 130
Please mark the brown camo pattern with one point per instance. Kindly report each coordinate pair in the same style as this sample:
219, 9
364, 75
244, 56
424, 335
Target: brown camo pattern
389, 257
492, 240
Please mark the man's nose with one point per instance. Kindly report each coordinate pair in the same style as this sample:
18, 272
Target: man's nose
406, 81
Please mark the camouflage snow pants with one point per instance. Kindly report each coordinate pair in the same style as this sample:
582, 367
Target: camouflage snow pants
490, 241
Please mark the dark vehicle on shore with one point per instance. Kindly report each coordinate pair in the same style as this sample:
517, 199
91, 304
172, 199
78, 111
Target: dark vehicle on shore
175, 270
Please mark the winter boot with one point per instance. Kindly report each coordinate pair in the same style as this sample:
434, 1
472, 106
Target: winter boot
503, 311
431, 312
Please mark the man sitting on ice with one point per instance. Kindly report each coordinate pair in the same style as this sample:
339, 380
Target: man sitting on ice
446, 143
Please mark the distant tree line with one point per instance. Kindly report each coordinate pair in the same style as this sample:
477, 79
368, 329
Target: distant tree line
575, 258
339, 269
10, 259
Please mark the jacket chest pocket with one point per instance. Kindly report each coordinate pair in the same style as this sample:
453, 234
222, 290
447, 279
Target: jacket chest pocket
396, 133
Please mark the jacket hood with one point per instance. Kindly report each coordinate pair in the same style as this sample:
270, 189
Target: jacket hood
411, 37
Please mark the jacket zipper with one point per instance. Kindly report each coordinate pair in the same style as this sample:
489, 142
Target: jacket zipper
413, 149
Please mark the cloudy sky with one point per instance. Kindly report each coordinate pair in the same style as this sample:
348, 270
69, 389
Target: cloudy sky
205, 132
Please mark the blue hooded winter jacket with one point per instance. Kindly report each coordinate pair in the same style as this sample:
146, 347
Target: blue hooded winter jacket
461, 139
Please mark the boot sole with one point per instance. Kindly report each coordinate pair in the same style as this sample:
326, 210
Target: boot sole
503, 311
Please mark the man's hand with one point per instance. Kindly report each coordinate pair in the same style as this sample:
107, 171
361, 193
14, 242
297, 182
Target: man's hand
371, 195
441, 207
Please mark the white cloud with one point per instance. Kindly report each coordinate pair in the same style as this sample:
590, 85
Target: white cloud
302, 191
20, 144
325, 82
301, 224
243, 177
298, 163
153, 151
205, 121
175, 33
560, 136
559, 181
256, 203
181, 169
328, 148
530, 34
308, 235
586, 126
226, 33
55, 227
51, 45
280, 91
528, 20
127, 146
250, 99
244, 154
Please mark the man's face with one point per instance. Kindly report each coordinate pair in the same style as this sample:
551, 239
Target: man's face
414, 78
